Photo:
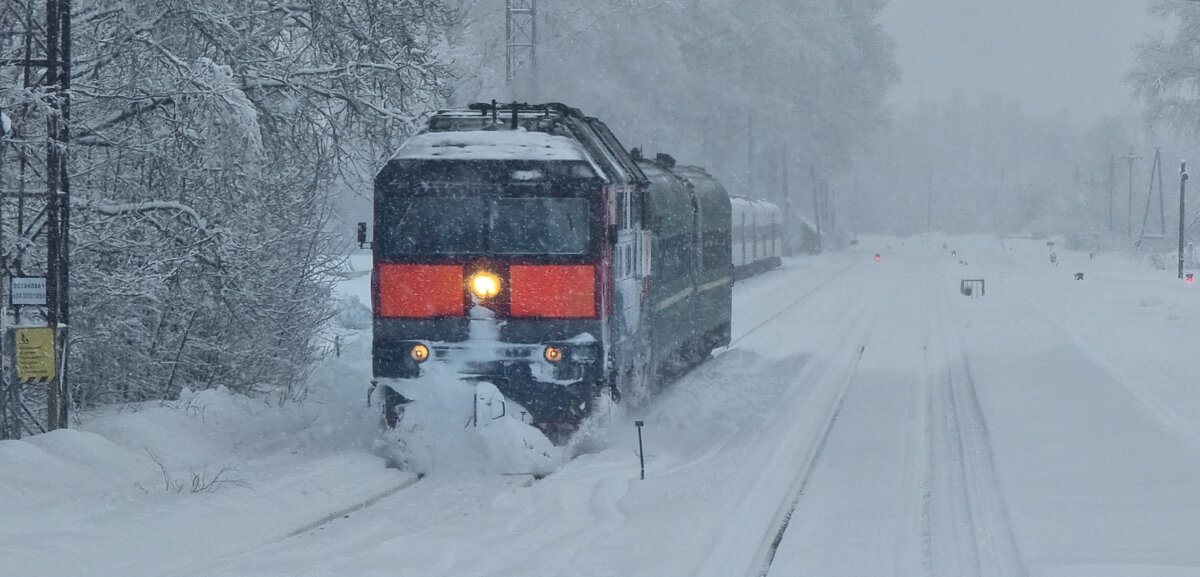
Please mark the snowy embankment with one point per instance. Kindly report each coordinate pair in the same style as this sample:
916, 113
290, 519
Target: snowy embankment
161, 487
868, 419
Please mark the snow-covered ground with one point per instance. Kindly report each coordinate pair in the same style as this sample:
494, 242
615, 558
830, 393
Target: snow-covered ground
869, 419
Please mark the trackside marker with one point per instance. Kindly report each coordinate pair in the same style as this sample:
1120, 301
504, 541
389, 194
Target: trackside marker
641, 455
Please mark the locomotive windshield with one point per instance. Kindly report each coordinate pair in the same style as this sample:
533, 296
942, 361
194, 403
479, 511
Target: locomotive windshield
493, 210
455, 224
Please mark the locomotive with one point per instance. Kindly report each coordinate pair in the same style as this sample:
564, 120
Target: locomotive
523, 245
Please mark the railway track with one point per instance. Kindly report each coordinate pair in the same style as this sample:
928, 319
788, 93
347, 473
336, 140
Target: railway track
867, 423
956, 510
1158, 375
796, 301
806, 470
945, 502
966, 520
820, 388
388, 498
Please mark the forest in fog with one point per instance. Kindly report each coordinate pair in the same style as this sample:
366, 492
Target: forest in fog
222, 150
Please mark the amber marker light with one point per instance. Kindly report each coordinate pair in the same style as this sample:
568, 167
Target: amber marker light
419, 353
553, 354
485, 285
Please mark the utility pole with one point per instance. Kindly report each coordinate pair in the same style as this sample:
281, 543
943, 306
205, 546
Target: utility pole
750, 157
817, 206
521, 40
1156, 171
58, 77
787, 206
5, 420
831, 206
929, 204
1130, 157
1112, 176
62, 296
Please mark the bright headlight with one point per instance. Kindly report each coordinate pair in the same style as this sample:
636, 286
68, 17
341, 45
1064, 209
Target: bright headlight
419, 353
485, 285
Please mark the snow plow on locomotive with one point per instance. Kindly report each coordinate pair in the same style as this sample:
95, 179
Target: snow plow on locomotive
522, 245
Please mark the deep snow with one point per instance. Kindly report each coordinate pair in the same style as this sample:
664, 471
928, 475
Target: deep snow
868, 419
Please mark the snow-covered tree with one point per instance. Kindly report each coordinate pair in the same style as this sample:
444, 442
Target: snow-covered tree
1167, 77
210, 143
690, 78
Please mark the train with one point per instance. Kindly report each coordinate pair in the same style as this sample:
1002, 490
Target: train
757, 236
523, 245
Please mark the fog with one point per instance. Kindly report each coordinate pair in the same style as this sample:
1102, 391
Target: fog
895, 117
1049, 55
1015, 117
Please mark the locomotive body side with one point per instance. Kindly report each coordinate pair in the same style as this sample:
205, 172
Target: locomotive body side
714, 285
691, 294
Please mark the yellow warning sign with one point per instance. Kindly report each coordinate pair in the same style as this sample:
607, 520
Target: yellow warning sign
35, 354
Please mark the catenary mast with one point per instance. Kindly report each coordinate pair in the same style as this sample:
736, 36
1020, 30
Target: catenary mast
521, 61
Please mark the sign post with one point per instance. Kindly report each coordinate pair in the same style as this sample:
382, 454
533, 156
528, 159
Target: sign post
1183, 178
35, 355
28, 291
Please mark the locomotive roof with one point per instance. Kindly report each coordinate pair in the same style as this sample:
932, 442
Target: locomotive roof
522, 131
491, 145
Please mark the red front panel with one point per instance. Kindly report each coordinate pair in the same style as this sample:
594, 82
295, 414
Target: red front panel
420, 290
560, 291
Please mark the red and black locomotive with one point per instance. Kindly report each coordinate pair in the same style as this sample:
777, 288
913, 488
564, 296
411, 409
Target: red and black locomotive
523, 245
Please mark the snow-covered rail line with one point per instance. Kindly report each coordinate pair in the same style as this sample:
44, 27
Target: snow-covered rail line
805, 473
356, 507
904, 483
816, 397
1146, 382
969, 532
740, 336
869, 420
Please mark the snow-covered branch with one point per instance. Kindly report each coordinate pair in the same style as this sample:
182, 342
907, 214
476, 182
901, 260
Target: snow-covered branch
147, 206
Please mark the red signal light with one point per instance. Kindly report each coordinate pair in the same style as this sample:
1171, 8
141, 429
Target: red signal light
555, 291
876, 257
1189, 278
419, 291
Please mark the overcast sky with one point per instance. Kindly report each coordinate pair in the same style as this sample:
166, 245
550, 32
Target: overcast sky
1051, 55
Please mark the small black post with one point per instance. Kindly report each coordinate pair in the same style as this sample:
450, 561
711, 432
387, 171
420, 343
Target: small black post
641, 456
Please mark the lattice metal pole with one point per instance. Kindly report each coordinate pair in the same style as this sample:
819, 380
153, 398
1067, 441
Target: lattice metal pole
521, 27
55, 83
